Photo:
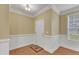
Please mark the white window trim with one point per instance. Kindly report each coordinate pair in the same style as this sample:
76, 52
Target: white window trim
68, 32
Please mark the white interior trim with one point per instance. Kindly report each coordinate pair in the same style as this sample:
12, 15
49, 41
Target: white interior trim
49, 43
17, 41
55, 9
3, 40
4, 46
19, 12
70, 10
41, 11
76, 13
45, 9
70, 44
20, 35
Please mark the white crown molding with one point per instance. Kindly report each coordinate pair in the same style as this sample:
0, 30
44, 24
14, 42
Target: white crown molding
43, 10
53, 7
76, 13
75, 9
21, 13
18, 12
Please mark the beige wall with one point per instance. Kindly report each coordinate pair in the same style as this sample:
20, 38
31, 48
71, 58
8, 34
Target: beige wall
4, 21
20, 24
63, 22
46, 16
55, 23
50, 22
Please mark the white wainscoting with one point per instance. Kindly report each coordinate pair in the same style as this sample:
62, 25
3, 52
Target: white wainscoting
4, 46
49, 43
71, 44
17, 41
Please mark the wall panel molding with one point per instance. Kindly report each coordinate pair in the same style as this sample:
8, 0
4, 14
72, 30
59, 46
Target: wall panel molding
4, 47
49, 43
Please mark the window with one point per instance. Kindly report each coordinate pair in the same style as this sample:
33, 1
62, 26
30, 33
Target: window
73, 27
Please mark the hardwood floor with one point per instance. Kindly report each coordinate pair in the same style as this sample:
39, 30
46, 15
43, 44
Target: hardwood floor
65, 51
37, 50
29, 50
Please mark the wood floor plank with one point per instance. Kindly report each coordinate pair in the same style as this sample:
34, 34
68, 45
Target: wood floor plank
27, 50
65, 51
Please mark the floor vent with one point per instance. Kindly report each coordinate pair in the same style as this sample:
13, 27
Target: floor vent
36, 48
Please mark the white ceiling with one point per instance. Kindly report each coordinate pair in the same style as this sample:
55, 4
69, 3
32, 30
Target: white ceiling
36, 8
64, 7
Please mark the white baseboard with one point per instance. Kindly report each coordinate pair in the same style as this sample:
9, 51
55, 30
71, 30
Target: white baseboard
17, 41
49, 43
4, 46
71, 44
